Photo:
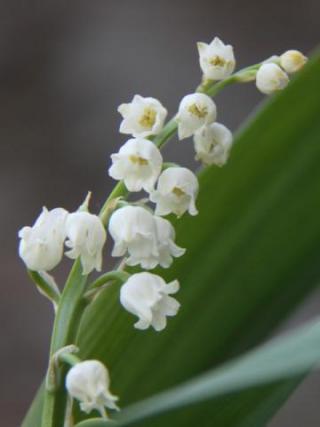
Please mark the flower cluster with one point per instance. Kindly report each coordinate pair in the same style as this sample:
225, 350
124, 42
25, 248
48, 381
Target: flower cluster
142, 236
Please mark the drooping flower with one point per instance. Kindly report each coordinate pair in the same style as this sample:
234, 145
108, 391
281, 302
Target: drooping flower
133, 230
195, 110
271, 78
212, 144
166, 245
89, 382
147, 296
142, 117
138, 163
292, 61
147, 239
41, 246
86, 238
176, 192
217, 60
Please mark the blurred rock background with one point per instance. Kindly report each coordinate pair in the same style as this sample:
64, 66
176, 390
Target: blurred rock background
64, 69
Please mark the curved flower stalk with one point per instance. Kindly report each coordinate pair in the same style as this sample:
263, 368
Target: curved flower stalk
141, 236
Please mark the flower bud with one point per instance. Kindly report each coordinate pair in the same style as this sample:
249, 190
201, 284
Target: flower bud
176, 192
147, 296
89, 383
142, 117
86, 238
292, 61
271, 78
195, 110
216, 59
138, 164
41, 246
212, 144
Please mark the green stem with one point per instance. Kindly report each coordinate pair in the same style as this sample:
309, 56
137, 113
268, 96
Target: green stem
119, 191
65, 327
45, 288
111, 277
212, 88
119, 276
69, 359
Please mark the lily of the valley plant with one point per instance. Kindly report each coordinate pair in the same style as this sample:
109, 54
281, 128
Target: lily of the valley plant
138, 229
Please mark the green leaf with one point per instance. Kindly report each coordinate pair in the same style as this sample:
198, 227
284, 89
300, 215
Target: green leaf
284, 358
252, 256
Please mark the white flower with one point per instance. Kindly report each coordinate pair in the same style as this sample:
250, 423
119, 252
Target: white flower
216, 59
142, 116
292, 61
271, 78
86, 238
212, 144
41, 246
89, 383
166, 246
149, 240
195, 110
147, 296
176, 192
138, 164
133, 230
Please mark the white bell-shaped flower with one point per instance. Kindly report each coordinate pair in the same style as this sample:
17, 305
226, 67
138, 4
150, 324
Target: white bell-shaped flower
292, 61
89, 383
217, 60
147, 296
86, 238
212, 144
41, 246
138, 163
134, 232
271, 78
147, 239
195, 110
176, 192
166, 245
142, 117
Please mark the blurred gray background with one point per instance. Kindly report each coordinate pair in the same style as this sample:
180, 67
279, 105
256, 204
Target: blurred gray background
65, 66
